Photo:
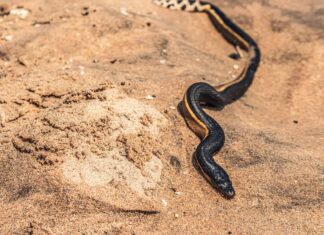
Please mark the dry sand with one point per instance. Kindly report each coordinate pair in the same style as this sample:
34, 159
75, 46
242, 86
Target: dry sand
91, 141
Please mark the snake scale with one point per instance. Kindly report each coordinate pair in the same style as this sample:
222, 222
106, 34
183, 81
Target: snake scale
201, 94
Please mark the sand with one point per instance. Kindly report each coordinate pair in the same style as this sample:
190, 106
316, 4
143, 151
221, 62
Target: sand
92, 142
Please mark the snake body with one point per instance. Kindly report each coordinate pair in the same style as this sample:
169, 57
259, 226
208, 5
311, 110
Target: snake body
199, 94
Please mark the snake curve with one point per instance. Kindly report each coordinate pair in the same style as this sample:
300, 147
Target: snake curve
199, 94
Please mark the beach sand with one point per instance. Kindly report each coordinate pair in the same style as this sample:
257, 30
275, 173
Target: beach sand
92, 141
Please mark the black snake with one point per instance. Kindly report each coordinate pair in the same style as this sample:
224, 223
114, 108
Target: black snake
198, 94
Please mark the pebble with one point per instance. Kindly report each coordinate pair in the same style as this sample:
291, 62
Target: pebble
176, 215
150, 97
172, 107
162, 61
164, 202
8, 38
124, 11
21, 13
81, 70
116, 225
235, 66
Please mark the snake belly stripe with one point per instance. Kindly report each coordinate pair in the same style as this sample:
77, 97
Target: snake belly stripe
199, 94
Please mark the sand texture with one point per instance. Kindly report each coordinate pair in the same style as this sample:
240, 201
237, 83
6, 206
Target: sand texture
91, 141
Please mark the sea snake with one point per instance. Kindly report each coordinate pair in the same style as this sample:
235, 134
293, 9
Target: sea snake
200, 94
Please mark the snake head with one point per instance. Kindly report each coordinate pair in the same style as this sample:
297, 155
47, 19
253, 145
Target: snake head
223, 185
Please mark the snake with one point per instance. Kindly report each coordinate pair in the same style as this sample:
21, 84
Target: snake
201, 94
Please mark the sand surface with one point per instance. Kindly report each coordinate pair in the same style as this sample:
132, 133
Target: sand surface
92, 142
